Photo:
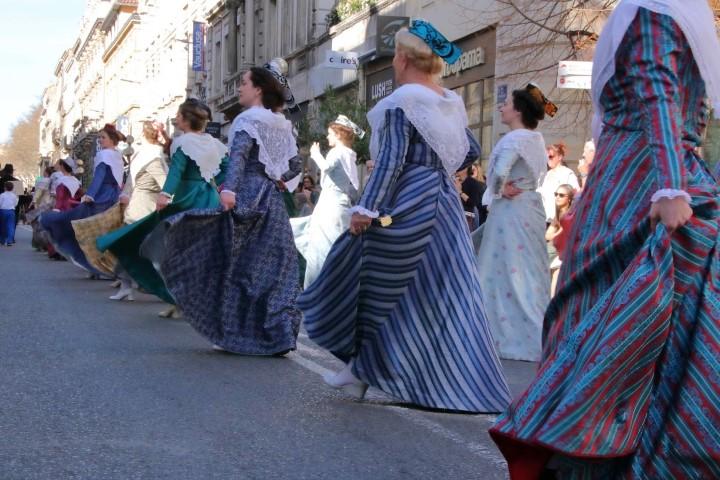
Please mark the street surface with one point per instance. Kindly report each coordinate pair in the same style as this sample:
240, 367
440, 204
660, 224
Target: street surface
96, 389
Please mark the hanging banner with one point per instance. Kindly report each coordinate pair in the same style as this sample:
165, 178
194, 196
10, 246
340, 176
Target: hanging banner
343, 60
198, 44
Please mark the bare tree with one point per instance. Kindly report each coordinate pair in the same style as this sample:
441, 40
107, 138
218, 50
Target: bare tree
22, 150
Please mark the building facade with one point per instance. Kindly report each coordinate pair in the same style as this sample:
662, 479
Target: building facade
131, 62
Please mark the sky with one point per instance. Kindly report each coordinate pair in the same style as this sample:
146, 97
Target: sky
33, 35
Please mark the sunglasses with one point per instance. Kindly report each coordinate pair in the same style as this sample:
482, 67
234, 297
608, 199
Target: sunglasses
561, 195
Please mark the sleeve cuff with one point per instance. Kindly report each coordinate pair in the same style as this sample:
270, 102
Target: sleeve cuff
166, 195
671, 194
125, 195
364, 211
89, 197
228, 191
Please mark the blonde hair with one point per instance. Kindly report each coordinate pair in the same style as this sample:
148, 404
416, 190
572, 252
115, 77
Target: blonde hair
151, 134
418, 53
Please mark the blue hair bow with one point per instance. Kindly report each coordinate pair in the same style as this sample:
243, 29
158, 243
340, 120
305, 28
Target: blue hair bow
437, 42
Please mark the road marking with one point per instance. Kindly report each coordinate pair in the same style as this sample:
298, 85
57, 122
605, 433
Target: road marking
476, 448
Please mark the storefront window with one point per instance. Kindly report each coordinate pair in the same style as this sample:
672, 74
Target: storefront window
479, 101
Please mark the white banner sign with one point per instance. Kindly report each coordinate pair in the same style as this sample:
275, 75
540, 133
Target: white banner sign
572, 74
574, 81
575, 68
344, 60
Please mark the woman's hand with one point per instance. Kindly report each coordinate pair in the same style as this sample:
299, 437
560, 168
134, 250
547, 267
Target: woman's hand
227, 200
162, 202
314, 149
671, 212
359, 223
510, 191
281, 186
124, 200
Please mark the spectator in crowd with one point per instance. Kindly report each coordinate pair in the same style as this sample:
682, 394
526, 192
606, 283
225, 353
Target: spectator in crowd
558, 230
585, 162
471, 192
8, 202
558, 174
306, 196
479, 173
6, 175
369, 167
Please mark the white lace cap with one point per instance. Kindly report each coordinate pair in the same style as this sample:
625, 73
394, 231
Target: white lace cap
204, 149
440, 119
273, 134
696, 21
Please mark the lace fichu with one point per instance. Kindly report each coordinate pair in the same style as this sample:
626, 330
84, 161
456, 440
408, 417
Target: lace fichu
273, 134
528, 144
206, 151
440, 119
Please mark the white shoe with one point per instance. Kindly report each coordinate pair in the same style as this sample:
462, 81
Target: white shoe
347, 382
218, 348
124, 294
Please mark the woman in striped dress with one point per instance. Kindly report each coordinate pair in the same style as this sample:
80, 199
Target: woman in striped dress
398, 297
629, 384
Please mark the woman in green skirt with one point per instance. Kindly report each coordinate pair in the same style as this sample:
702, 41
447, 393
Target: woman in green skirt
197, 165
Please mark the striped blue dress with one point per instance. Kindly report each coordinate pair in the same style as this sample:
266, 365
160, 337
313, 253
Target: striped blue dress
404, 301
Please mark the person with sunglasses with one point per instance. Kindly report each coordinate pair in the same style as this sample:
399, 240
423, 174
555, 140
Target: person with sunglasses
557, 231
558, 173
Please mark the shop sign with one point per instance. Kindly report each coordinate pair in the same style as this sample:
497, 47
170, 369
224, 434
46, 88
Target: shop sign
469, 59
379, 85
387, 27
342, 60
213, 128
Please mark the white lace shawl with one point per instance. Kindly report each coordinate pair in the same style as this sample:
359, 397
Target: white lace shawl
71, 183
529, 144
205, 150
113, 159
696, 21
346, 157
273, 134
146, 153
440, 119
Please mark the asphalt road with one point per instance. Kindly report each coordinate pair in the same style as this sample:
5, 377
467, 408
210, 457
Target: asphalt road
95, 389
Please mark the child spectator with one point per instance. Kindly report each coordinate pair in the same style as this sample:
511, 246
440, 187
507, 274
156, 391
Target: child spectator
8, 202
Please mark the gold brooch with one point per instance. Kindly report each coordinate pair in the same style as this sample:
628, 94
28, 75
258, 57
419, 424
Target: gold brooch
385, 221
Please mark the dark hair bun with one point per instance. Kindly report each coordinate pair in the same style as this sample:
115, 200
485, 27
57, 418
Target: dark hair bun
273, 93
531, 109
